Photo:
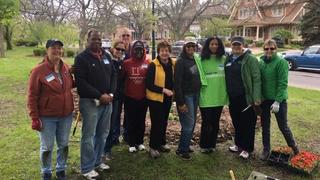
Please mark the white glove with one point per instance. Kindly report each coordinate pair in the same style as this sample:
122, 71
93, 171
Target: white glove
275, 107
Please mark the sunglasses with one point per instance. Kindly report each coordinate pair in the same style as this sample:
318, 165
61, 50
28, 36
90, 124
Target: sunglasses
125, 35
271, 49
120, 49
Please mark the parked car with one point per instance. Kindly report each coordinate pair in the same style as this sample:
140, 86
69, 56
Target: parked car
228, 50
307, 59
279, 41
178, 46
106, 43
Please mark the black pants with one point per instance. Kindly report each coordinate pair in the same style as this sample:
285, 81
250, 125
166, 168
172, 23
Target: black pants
282, 121
244, 123
136, 114
159, 113
210, 126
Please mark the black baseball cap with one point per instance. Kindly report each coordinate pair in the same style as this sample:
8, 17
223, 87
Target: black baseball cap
237, 39
138, 45
52, 42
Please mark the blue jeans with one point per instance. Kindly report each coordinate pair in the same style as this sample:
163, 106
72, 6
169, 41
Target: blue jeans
54, 128
188, 121
115, 125
95, 130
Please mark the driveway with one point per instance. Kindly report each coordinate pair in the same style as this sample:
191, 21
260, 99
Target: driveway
305, 79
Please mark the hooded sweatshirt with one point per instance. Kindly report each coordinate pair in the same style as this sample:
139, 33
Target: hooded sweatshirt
134, 74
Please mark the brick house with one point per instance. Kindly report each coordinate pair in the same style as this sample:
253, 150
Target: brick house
259, 19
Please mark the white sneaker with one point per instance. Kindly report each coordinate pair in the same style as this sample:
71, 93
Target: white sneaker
234, 148
141, 147
244, 155
132, 149
103, 166
91, 175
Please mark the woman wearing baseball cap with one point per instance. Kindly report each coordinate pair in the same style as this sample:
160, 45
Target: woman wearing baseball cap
50, 104
244, 90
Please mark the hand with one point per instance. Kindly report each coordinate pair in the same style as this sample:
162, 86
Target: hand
257, 103
105, 99
72, 69
275, 107
36, 124
183, 108
167, 92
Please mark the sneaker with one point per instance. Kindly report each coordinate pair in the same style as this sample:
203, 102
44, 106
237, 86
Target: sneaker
264, 155
206, 150
108, 157
154, 153
234, 148
164, 148
103, 167
244, 155
141, 147
61, 175
46, 176
91, 175
132, 149
183, 155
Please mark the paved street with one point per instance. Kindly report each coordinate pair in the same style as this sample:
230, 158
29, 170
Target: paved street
305, 79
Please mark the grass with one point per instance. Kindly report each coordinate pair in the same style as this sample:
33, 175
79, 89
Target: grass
19, 152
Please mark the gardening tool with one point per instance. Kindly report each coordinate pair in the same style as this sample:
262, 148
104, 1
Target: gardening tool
77, 121
259, 176
246, 108
232, 175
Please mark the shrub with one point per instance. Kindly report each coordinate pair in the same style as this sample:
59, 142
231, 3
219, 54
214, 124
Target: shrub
259, 43
248, 41
31, 43
39, 52
70, 53
25, 42
227, 44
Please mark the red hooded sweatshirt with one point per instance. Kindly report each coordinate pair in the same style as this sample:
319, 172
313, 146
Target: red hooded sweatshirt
134, 72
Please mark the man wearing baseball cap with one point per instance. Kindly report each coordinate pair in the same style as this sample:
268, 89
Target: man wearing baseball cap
244, 90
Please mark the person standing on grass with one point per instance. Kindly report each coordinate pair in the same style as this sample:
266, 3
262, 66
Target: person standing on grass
116, 56
213, 94
50, 104
135, 105
187, 87
96, 84
243, 82
274, 76
159, 94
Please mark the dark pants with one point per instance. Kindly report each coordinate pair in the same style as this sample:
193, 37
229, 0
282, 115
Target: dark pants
210, 126
244, 123
114, 134
282, 120
136, 114
159, 113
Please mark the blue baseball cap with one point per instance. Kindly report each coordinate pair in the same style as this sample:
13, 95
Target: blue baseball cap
52, 42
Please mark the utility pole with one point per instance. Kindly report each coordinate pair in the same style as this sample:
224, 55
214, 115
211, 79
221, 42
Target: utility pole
153, 34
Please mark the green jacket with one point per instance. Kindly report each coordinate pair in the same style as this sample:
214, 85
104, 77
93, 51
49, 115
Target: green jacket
274, 76
250, 74
213, 91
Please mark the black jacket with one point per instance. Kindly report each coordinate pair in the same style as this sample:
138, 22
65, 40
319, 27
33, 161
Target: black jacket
186, 78
94, 77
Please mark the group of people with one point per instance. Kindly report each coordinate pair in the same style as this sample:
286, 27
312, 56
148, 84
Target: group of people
106, 80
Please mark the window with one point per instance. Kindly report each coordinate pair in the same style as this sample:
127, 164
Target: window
245, 13
248, 32
311, 50
277, 11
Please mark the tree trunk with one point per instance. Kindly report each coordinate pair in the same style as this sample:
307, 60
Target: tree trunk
8, 36
82, 37
2, 54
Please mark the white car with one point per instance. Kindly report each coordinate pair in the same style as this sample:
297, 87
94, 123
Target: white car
106, 43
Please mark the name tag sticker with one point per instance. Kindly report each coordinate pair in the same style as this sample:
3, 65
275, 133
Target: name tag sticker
228, 64
106, 61
50, 77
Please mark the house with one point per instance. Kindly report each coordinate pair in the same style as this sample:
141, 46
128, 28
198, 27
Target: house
260, 19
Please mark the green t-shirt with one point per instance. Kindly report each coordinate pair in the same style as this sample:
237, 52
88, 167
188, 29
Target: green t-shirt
213, 93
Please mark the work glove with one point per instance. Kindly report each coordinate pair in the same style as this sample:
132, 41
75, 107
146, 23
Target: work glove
275, 107
36, 124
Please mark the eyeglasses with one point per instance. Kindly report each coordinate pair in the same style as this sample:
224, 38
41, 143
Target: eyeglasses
271, 49
125, 35
120, 49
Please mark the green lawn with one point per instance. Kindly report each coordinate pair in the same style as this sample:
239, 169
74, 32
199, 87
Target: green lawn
19, 152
